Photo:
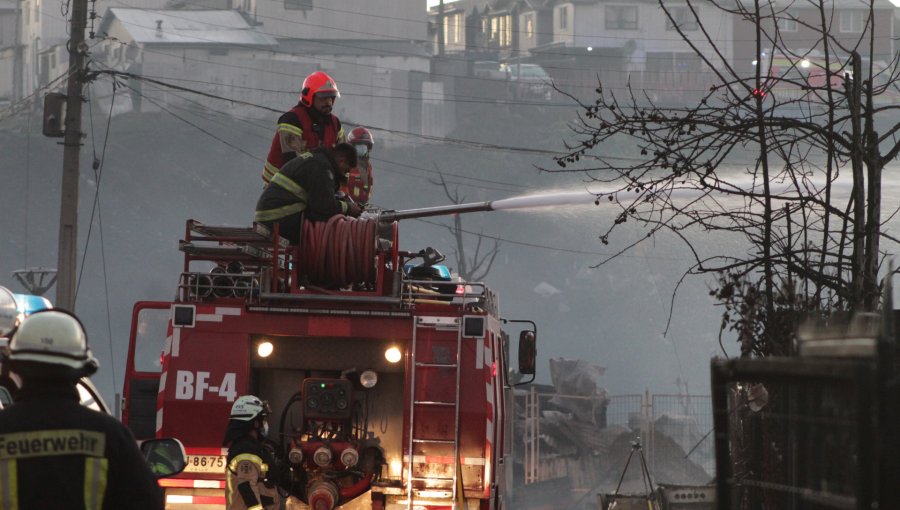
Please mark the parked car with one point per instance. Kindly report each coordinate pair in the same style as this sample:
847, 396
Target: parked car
528, 81
488, 69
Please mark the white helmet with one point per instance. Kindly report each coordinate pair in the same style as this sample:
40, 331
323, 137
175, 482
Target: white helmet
52, 337
9, 312
248, 408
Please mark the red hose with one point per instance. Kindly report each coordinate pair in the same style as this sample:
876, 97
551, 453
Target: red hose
339, 252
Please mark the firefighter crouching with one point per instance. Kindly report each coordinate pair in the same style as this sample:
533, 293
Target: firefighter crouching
54, 452
307, 185
251, 467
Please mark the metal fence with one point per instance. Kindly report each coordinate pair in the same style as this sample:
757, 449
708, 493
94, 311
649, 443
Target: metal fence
797, 433
573, 436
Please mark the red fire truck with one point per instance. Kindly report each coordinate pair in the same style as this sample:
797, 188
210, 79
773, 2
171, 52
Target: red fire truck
387, 379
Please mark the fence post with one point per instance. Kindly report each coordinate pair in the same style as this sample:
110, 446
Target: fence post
532, 424
647, 427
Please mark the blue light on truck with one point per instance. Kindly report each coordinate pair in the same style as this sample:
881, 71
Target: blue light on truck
27, 304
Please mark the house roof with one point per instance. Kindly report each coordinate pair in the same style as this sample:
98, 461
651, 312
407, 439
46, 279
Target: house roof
538, 5
357, 47
186, 27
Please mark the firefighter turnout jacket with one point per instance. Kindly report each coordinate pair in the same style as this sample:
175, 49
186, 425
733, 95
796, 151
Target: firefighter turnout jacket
359, 183
56, 453
307, 183
248, 467
312, 127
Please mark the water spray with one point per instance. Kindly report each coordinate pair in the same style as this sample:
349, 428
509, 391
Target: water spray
521, 202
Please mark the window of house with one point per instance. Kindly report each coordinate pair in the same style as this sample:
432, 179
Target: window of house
501, 30
505, 31
298, 4
683, 17
621, 17
852, 21
529, 26
563, 17
453, 29
787, 25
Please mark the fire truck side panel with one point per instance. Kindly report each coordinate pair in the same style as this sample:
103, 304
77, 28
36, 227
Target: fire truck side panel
205, 372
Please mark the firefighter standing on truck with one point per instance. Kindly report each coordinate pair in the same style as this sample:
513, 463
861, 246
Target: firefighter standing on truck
54, 452
359, 180
307, 185
306, 126
249, 463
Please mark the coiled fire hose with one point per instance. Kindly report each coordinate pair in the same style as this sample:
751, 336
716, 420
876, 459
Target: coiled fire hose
340, 251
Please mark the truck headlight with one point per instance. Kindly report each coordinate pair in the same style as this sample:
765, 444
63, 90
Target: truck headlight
392, 354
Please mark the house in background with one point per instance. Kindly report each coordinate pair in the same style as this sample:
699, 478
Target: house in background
184, 47
8, 44
636, 43
795, 28
535, 22
620, 41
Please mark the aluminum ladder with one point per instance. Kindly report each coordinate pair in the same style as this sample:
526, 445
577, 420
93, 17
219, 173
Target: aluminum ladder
446, 324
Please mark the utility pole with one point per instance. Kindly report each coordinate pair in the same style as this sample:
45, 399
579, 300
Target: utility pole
68, 213
18, 57
441, 28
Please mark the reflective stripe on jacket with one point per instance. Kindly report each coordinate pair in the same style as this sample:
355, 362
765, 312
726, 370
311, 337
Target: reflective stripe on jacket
55, 453
306, 184
245, 487
298, 121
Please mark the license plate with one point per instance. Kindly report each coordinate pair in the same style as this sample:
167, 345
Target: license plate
205, 464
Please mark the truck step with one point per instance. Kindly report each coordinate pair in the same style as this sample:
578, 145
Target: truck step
434, 441
433, 403
436, 365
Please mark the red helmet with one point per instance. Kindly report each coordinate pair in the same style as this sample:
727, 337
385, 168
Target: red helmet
361, 135
317, 83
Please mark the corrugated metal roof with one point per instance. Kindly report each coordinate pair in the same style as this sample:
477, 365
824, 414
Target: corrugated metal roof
186, 27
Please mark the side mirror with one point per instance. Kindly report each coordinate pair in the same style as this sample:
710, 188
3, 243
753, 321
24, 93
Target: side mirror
527, 352
166, 457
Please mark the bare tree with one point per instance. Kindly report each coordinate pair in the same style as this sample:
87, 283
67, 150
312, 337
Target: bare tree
817, 129
476, 266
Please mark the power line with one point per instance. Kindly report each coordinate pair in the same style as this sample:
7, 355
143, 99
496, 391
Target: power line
450, 140
207, 114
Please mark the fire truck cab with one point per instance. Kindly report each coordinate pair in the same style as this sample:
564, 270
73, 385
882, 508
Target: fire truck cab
386, 392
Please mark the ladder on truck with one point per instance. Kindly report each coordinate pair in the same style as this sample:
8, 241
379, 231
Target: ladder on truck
438, 323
